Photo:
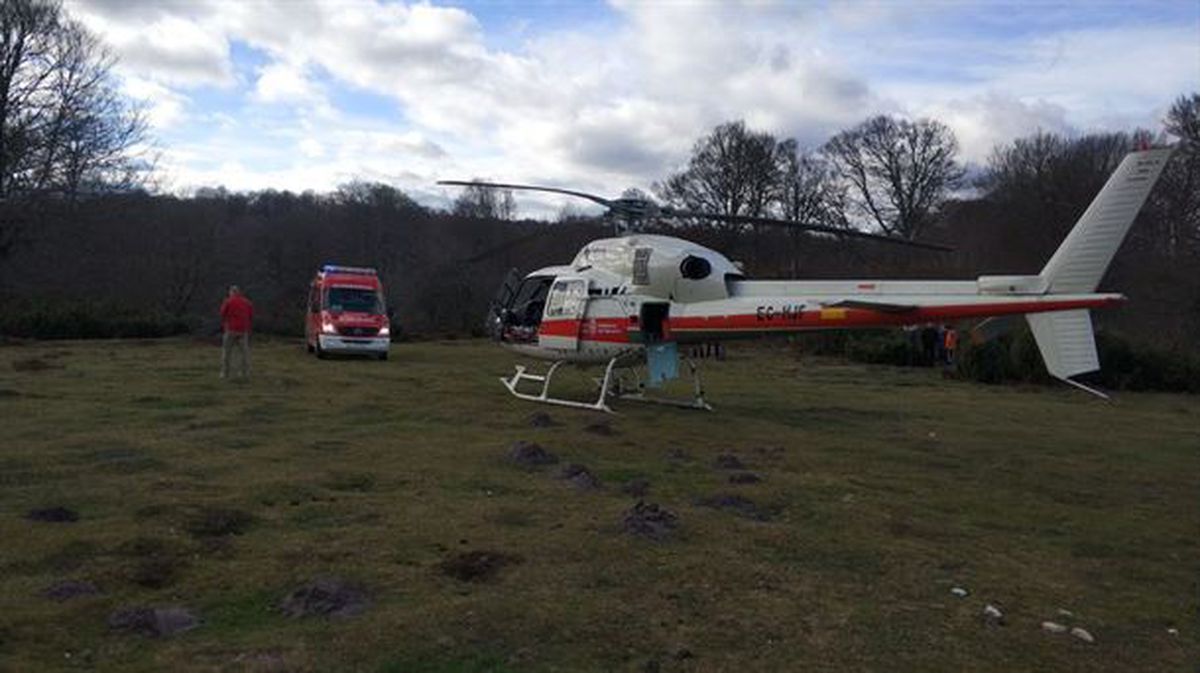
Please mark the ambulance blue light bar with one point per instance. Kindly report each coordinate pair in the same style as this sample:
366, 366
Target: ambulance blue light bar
357, 270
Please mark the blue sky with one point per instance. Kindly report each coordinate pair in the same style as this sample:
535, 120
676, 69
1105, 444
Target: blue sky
310, 94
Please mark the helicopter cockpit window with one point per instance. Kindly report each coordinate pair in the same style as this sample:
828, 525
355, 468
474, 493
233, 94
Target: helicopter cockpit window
529, 301
695, 268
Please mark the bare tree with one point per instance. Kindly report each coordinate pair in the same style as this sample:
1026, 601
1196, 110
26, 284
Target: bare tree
899, 172
809, 192
65, 129
1045, 181
1177, 196
732, 171
808, 189
485, 203
1183, 119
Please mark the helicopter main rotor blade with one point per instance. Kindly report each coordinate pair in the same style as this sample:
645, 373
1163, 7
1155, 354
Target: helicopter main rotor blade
770, 221
529, 188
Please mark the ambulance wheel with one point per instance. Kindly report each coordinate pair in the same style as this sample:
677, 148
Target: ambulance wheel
321, 354
308, 347
382, 356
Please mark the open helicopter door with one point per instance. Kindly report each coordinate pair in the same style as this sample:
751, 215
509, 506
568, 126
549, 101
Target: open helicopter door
563, 319
501, 303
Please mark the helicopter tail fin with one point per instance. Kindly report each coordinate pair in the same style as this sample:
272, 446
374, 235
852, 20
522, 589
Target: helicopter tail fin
1080, 262
1067, 344
1065, 338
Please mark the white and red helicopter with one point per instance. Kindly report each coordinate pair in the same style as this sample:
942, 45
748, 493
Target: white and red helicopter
629, 301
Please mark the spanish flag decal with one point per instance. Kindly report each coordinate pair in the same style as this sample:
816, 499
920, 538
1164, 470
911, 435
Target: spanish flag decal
833, 314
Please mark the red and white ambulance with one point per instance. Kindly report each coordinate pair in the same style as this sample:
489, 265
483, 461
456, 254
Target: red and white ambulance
347, 313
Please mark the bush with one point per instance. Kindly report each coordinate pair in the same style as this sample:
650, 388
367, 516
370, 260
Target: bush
1124, 366
879, 347
1015, 358
85, 321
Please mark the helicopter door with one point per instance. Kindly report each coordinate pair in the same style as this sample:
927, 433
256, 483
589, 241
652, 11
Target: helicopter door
564, 314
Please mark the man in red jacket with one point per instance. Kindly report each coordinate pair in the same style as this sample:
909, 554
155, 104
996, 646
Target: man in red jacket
237, 313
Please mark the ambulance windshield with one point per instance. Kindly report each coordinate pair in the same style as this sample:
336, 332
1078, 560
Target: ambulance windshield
353, 300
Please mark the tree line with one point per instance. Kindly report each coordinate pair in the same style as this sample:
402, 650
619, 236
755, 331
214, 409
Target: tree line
89, 247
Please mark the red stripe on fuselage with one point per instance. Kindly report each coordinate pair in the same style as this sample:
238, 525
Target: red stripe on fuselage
617, 330
835, 318
608, 330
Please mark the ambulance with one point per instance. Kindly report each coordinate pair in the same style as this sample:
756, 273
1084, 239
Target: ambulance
346, 313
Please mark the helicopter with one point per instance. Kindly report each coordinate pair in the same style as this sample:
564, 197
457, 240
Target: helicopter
629, 302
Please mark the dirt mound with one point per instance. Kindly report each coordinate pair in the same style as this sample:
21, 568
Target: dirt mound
728, 461
602, 428
737, 504
530, 455
65, 590
217, 522
638, 488
677, 456
153, 563
479, 565
649, 520
744, 478
56, 514
579, 476
541, 419
771, 452
156, 572
153, 622
325, 597
33, 365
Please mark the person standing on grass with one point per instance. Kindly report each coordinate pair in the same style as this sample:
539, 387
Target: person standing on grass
950, 344
237, 314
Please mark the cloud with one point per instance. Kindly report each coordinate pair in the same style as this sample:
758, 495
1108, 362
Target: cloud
281, 82
164, 108
158, 44
619, 103
984, 121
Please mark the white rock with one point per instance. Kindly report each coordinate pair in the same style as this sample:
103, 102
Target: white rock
992, 612
1053, 627
1065, 613
1173, 631
1082, 634
960, 592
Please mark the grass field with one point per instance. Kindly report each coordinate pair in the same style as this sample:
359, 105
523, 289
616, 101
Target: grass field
881, 490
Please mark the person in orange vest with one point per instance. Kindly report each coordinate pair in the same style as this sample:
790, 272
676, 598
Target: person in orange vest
237, 316
949, 344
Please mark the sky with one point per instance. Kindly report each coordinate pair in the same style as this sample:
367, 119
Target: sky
602, 96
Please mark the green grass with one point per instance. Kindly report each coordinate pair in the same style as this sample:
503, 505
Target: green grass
885, 488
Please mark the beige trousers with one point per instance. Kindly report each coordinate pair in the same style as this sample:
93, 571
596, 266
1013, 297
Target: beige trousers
240, 341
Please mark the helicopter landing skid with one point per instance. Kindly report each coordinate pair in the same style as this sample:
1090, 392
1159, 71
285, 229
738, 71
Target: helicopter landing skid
611, 387
637, 391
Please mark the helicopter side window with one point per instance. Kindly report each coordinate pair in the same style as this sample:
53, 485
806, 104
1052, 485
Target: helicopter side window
567, 299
